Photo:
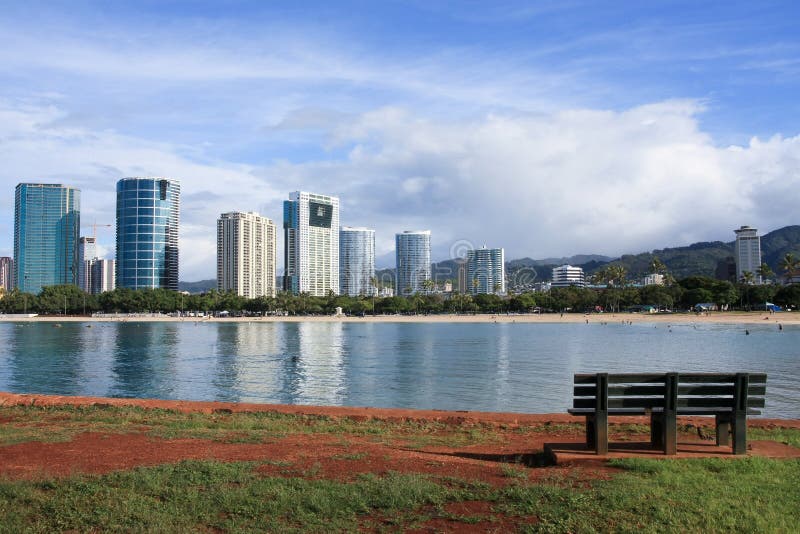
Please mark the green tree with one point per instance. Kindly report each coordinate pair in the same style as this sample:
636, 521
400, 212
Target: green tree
62, 299
657, 266
16, 301
765, 272
790, 265
788, 296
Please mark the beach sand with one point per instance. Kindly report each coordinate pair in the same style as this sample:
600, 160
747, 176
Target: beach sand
761, 317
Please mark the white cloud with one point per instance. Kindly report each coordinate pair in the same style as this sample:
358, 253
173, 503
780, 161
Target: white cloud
575, 181
34, 148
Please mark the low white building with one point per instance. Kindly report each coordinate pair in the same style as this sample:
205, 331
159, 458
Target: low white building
567, 275
653, 280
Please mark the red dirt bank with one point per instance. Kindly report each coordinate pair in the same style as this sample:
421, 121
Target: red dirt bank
327, 456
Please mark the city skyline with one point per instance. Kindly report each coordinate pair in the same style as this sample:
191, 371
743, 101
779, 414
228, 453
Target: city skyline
639, 124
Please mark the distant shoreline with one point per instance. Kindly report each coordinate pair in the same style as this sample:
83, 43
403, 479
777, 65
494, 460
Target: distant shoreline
734, 318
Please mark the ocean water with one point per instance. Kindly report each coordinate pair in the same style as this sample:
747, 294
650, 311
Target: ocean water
506, 367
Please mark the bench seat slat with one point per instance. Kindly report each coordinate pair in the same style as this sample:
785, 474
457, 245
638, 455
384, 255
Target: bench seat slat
643, 391
682, 402
623, 378
658, 378
643, 411
618, 391
719, 378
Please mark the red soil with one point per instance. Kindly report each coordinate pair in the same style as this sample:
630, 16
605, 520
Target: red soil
342, 457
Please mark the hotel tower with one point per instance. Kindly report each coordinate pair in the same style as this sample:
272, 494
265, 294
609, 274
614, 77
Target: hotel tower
311, 237
246, 254
413, 260
356, 261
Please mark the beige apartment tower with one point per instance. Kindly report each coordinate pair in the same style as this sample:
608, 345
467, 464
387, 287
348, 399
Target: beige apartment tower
246, 254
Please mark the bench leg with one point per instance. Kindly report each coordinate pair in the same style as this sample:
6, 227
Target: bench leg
656, 431
601, 432
723, 430
740, 433
670, 433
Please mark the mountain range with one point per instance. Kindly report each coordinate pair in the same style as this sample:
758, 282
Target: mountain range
703, 259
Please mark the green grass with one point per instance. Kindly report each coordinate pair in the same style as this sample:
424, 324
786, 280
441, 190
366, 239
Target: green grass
788, 436
713, 495
62, 423
654, 495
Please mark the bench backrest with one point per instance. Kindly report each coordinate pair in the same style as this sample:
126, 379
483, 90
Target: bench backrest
689, 392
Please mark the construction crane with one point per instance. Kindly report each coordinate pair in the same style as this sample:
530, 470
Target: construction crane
94, 228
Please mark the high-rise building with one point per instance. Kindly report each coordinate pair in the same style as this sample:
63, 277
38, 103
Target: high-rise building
7, 273
748, 252
47, 221
147, 233
356, 261
486, 272
567, 275
413, 261
87, 252
311, 237
246, 250
103, 276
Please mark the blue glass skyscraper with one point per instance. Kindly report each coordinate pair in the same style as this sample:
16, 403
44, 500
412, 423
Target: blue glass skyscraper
147, 233
47, 221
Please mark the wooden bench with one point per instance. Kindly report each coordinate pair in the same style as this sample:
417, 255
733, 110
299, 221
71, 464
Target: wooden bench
729, 397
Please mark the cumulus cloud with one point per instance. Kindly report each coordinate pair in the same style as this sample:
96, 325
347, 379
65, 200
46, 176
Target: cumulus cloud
35, 147
575, 181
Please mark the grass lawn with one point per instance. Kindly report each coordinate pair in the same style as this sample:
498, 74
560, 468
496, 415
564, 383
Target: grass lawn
745, 494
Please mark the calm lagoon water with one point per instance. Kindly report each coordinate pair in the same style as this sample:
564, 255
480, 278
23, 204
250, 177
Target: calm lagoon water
451, 366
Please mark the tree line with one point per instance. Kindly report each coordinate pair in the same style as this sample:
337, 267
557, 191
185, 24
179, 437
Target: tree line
617, 295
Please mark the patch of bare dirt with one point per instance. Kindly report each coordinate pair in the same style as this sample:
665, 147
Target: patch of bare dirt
514, 454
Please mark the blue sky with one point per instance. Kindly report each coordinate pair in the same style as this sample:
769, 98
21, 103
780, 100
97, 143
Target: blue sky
547, 128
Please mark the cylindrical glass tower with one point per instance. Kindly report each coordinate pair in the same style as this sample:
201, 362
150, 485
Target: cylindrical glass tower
413, 255
147, 233
356, 261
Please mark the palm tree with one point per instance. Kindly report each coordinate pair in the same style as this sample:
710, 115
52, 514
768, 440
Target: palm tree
600, 277
617, 274
657, 266
373, 282
748, 278
428, 285
765, 271
790, 265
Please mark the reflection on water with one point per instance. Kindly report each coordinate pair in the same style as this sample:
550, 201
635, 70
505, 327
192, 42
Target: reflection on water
494, 367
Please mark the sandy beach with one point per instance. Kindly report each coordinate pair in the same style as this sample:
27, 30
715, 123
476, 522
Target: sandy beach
743, 318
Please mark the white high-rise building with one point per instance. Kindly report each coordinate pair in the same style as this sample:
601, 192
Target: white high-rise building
87, 252
356, 261
246, 253
413, 261
311, 237
7, 273
486, 271
567, 275
748, 252
103, 276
